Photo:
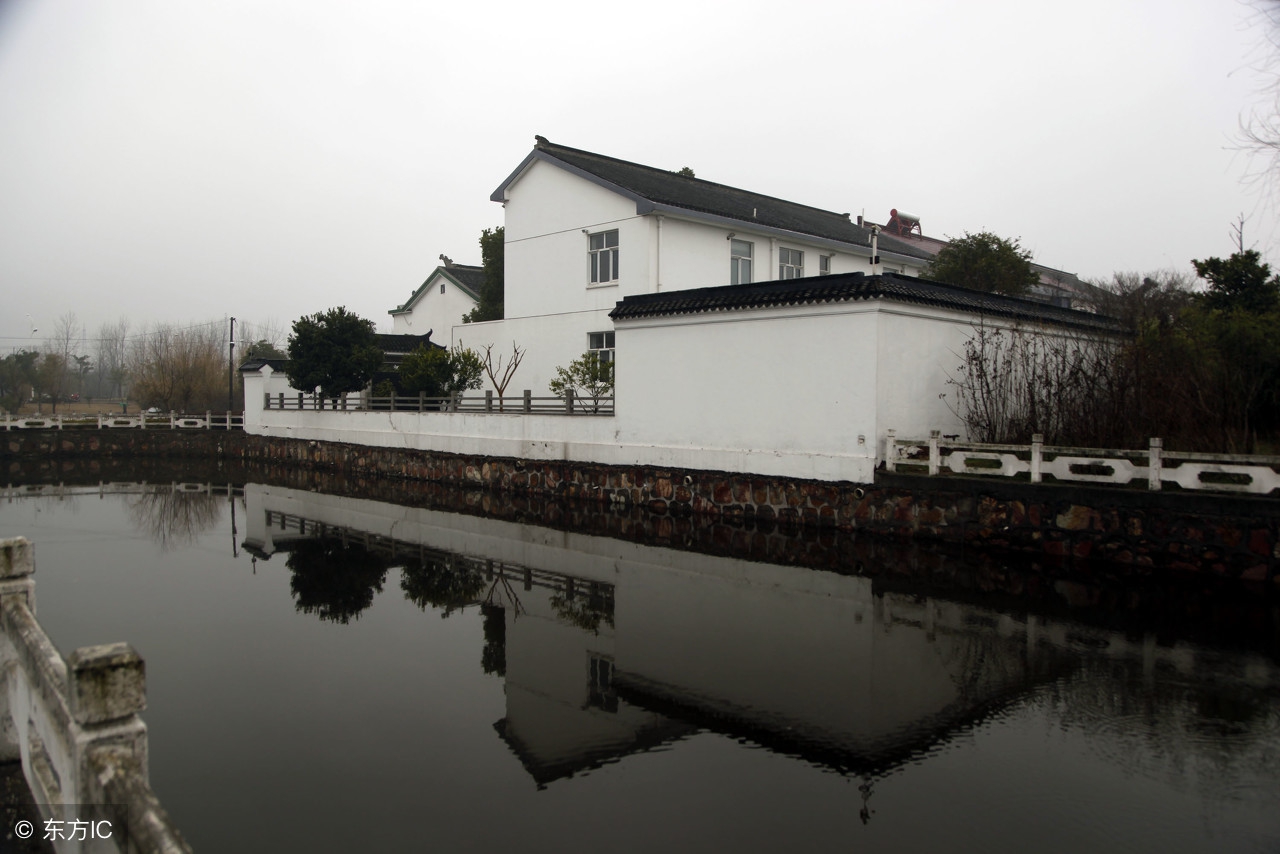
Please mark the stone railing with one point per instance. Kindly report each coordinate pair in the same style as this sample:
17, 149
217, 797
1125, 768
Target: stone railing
74, 723
138, 421
1257, 475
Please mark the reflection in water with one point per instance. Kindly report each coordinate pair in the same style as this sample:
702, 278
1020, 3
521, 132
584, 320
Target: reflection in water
493, 659
1214, 727
334, 580
837, 670
584, 608
970, 703
174, 517
441, 580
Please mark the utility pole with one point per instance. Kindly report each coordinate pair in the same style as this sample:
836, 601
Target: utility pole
231, 368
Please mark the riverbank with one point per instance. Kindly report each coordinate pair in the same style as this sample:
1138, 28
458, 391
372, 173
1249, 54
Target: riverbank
1129, 531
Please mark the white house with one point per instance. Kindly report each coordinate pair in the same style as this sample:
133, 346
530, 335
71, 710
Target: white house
448, 294
751, 334
583, 231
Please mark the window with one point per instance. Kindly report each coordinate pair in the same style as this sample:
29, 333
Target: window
601, 343
740, 252
600, 690
442, 287
604, 257
824, 265
790, 264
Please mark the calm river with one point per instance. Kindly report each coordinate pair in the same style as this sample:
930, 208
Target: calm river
341, 674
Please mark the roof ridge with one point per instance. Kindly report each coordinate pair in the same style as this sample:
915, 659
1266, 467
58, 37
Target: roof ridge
547, 145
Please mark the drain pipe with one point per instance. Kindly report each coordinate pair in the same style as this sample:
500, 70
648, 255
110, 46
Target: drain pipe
875, 250
658, 261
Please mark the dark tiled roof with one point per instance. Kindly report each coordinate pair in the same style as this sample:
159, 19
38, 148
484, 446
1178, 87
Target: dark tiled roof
253, 366
468, 277
400, 344
847, 287
706, 197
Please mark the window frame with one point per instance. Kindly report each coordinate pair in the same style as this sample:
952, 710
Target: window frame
824, 265
607, 351
790, 263
602, 258
738, 263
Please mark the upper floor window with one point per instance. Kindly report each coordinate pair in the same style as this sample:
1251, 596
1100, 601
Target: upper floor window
790, 264
740, 252
824, 265
442, 287
601, 343
604, 257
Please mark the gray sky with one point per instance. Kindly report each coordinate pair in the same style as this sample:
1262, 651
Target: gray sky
184, 161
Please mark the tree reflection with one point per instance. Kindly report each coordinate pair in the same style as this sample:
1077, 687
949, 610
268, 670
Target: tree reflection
334, 580
174, 518
586, 609
1213, 730
447, 582
494, 657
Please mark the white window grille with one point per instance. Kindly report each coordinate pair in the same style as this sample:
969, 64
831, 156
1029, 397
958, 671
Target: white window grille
790, 264
740, 256
601, 343
604, 257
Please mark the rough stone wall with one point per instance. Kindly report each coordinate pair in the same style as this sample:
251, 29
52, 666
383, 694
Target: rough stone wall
1223, 535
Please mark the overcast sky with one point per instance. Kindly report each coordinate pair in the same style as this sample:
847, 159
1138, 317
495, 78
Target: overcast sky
184, 161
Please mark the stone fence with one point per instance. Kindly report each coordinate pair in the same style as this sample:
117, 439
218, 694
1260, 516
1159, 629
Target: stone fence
137, 421
1154, 466
75, 726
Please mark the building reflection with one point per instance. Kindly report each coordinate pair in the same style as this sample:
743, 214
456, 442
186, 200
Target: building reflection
608, 647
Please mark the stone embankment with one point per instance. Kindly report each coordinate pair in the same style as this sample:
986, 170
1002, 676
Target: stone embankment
1225, 536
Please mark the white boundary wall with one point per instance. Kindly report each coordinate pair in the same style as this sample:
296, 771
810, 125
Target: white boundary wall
799, 391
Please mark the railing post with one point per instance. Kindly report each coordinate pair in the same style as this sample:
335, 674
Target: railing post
568, 401
422, 400
300, 406
488, 400
1155, 465
890, 450
108, 682
1037, 456
934, 454
528, 401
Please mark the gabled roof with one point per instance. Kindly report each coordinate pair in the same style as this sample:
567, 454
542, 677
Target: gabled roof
658, 190
848, 287
400, 345
465, 277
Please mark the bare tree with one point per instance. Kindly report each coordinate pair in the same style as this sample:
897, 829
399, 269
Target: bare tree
113, 357
1259, 133
60, 352
499, 374
1016, 381
181, 369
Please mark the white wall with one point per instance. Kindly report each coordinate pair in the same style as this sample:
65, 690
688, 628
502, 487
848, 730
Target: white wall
797, 391
773, 383
547, 262
433, 310
919, 350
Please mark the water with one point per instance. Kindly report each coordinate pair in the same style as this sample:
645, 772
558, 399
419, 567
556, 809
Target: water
337, 673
